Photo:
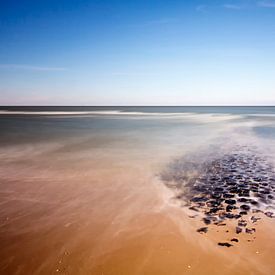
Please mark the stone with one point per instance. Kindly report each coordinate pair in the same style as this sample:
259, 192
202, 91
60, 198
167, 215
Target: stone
238, 230
225, 244
203, 230
234, 240
206, 220
245, 207
250, 231
242, 223
269, 214
231, 202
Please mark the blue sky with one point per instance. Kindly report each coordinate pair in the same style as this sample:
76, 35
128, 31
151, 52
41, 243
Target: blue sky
142, 52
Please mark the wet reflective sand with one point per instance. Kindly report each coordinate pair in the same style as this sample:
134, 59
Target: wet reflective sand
99, 207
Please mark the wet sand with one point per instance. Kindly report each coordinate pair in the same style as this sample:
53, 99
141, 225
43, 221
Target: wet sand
104, 215
86, 196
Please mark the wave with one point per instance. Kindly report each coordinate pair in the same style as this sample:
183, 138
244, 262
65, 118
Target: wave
106, 112
47, 113
118, 114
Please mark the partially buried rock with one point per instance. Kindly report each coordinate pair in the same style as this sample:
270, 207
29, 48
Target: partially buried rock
245, 207
193, 208
206, 220
225, 244
243, 213
229, 215
254, 219
269, 214
238, 230
231, 202
202, 230
242, 223
250, 231
234, 240
228, 196
229, 208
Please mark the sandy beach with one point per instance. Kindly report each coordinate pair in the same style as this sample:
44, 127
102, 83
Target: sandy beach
100, 206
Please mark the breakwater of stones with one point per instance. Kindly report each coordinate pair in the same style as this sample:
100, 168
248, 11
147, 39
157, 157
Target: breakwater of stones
238, 185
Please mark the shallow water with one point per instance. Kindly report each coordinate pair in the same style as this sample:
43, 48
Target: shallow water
81, 190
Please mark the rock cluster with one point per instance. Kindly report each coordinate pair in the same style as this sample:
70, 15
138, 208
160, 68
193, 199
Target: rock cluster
232, 187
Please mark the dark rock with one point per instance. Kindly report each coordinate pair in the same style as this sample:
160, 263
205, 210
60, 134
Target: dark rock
193, 208
242, 223
229, 208
214, 210
206, 220
214, 203
228, 196
233, 190
245, 207
202, 230
199, 199
266, 192
234, 240
243, 213
218, 190
243, 193
254, 202
216, 195
238, 230
231, 202
269, 214
254, 219
225, 244
250, 231
220, 224
229, 215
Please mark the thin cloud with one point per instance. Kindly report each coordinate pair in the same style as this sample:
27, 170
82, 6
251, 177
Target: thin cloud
132, 74
232, 7
266, 4
201, 8
30, 67
162, 21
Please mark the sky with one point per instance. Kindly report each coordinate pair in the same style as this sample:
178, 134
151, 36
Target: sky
142, 52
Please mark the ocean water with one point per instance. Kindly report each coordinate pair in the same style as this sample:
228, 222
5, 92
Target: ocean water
79, 184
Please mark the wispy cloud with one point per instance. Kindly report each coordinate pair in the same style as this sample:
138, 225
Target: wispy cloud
161, 21
266, 4
30, 67
232, 7
201, 8
132, 74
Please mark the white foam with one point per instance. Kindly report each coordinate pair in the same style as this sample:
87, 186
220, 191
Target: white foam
119, 114
46, 113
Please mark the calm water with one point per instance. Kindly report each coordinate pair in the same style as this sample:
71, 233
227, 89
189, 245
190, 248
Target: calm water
20, 124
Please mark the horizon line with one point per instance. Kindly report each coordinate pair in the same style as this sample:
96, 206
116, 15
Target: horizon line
137, 106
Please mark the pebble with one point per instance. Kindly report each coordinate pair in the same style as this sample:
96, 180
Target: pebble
225, 244
254, 219
203, 230
206, 220
269, 214
238, 230
245, 207
231, 202
250, 231
234, 240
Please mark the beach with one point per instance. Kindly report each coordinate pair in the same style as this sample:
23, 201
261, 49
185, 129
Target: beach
102, 190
